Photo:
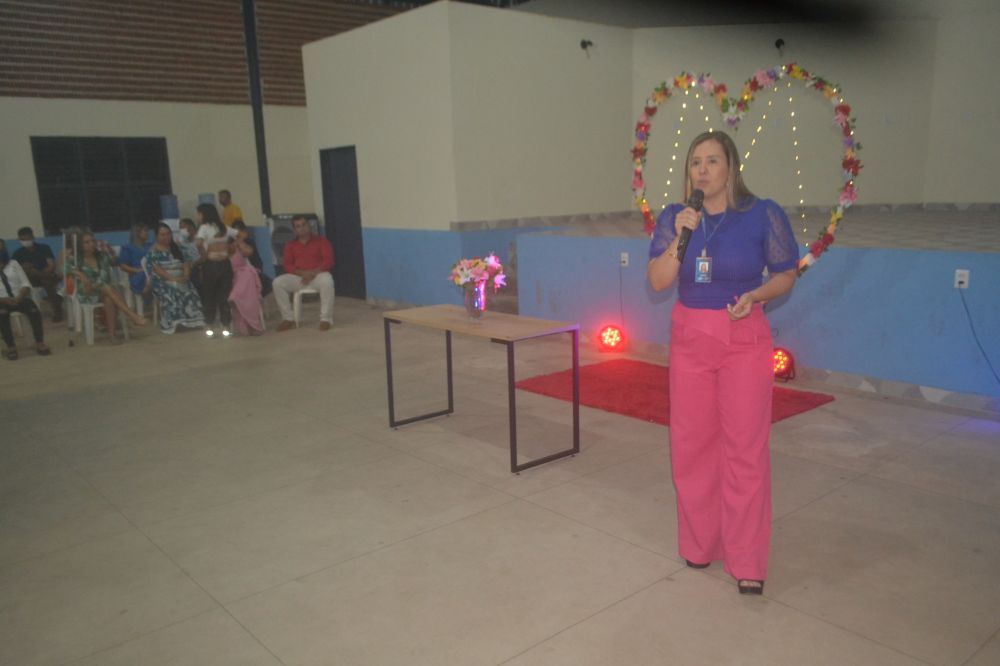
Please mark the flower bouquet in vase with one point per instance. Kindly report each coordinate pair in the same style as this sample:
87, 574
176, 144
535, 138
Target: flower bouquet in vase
474, 276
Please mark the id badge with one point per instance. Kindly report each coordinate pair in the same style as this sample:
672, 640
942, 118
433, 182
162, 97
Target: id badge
703, 270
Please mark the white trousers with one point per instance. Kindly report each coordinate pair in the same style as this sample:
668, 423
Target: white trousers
287, 284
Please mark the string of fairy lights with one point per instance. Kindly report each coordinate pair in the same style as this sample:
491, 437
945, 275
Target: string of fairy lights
733, 110
677, 138
758, 130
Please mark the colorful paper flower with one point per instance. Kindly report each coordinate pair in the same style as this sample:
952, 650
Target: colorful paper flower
851, 165
733, 109
848, 195
476, 270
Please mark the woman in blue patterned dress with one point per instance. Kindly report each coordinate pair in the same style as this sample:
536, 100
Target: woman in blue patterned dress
91, 269
170, 277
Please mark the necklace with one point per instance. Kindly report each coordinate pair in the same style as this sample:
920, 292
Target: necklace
708, 236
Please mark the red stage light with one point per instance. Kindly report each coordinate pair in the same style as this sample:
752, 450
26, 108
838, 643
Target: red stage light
611, 338
784, 364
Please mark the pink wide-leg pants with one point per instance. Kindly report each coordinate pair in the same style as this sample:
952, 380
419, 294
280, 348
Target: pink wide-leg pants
721, 379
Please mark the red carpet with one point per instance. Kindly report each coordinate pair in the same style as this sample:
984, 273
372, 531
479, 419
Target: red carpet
641, 390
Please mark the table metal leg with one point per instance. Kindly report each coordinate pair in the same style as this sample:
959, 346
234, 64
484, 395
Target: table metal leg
393, 422
511, 396
575, 342
451, 388
512, 408
388, 371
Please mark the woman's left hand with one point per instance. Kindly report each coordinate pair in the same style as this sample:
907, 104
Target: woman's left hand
742, 307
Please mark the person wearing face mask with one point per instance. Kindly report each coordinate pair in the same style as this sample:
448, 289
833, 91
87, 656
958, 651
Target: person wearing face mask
15, 296
39, 265
721, 369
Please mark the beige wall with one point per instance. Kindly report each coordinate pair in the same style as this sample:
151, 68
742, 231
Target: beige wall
965, 107
538, 122
385, 89
462, 113
209, 146
883, 74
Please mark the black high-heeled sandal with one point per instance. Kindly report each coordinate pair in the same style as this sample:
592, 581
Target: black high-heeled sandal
748, 586
695, 565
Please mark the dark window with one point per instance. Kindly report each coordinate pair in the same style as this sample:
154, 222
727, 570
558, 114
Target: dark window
105, 184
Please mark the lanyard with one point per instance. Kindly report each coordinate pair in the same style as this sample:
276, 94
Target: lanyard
708, 236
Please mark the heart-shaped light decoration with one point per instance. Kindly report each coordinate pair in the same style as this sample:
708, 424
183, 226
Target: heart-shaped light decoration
733, 109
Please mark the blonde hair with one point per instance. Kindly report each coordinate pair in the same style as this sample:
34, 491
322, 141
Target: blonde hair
738, 195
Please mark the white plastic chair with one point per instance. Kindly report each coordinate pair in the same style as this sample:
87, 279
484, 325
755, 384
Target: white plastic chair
15, 323
297, 301
140, 308
83, 318
38, 295
133, 300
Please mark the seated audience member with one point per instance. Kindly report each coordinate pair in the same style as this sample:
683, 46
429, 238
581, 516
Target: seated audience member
107, 249
245, 295
15, 296
40, 266
131, 256
215, 247
307, 259
230, 211
170, 278
254, 259
91, 271
187, 241
189, 248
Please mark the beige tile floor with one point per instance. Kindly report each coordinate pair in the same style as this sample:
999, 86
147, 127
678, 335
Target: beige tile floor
184, 501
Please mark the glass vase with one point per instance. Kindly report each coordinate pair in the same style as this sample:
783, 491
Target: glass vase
475, 299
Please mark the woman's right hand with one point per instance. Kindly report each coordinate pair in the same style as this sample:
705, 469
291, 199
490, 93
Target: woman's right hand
688, 218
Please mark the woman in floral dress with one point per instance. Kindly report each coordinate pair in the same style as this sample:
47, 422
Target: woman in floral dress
170, 277
95, 284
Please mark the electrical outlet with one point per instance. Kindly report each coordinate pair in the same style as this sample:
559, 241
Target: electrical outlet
961, 278
624, 259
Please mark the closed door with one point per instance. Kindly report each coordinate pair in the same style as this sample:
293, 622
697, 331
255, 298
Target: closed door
342, 215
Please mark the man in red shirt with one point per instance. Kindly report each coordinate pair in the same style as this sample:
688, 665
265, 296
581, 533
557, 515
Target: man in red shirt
307, 261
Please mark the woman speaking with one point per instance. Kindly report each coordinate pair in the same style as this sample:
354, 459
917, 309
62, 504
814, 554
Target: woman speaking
720, 358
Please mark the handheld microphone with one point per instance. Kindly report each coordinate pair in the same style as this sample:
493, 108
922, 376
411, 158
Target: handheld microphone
696, 201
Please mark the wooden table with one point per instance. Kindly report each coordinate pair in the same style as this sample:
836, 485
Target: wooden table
499, 327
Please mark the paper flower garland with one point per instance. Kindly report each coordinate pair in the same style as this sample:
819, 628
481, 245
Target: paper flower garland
733, 109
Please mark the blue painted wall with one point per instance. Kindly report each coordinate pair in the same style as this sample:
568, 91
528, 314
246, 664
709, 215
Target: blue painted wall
413, 265
886, 313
